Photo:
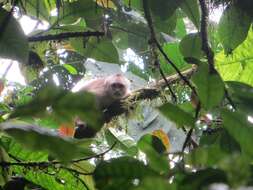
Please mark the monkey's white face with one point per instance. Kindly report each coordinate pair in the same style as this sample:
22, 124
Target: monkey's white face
118, 86
118, 90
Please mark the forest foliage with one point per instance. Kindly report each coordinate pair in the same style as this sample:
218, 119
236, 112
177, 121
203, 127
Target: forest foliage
190, 129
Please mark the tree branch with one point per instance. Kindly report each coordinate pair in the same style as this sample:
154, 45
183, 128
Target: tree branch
46, 164
153, 91
155, 41
153, 47
65, 35
205, 45
204, 36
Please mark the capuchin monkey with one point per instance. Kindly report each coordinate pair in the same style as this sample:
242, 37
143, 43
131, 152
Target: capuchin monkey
107, 90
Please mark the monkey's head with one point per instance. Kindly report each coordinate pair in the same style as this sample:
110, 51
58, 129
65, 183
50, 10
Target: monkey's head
117, 86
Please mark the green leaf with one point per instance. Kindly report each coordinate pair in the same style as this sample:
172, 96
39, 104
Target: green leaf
203, 178
118, 173
156, 160
242, 95
155, 183
240, 129
237, 67
167, 26
190, 46
101, 50
237, 168
64, 105
206, 156
228, 144
38, 9
72, 70
5, 173
209, 87
180, 29
164, 8
172, 50
46, 179
177, 115
14, 148
233, 27
13, 42
136, 4
86, 9
191, 9
42, 139
124, 142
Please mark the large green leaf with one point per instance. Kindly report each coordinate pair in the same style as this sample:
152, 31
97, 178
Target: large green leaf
242, 95
164, 8
122, 167
14, 148
118, 173
38, 9
167, 26
191, 9
42, 139
151, 183
49, 179
124, 142
202, 178
240, 129
157, 161
209, 87
206, 156
238, 66
5, 173
64, 105
233, 27
190, 46
13, 43
101, 50
177, 115
172, 50
136, 4
180, 29
86, 9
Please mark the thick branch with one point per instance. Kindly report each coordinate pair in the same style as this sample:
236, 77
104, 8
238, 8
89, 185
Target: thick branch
204, 36
65, 35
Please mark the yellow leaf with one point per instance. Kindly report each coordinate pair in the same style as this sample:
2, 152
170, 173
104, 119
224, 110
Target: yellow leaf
68, 47
163, 137
106, 4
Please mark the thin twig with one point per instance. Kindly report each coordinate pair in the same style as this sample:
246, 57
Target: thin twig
187, 139
229, 99
189, 134
75, 171
153, 45
174, 97
153, 38
7, 69
95, 156
128, 31
52, 163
